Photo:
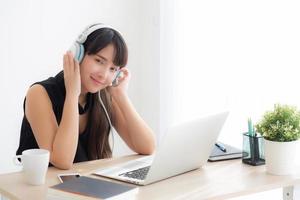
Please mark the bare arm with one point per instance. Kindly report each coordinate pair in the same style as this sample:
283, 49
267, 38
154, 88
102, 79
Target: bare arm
131, 127
60, 140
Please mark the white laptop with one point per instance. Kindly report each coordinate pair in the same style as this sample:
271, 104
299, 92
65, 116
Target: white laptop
185, 147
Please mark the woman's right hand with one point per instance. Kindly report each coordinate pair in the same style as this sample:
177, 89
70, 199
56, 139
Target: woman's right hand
71, 75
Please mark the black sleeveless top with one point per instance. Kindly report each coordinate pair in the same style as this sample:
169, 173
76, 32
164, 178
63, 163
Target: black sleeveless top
55, 88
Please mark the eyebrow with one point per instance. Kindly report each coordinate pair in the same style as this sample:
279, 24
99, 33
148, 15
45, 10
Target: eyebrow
102, 57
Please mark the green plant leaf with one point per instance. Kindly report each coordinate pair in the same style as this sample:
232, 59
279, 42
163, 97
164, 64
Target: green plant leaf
281, 124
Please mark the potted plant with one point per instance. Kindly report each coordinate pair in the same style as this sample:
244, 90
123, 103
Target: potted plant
281, 131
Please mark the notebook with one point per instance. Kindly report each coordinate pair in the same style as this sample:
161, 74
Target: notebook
231, 153
90, 188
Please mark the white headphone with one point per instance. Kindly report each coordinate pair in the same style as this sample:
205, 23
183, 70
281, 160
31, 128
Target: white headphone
109, 121
77, 47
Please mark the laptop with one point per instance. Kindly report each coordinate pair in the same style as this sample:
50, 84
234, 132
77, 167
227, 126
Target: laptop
185, 147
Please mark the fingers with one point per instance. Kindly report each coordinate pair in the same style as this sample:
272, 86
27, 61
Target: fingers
71, 75
70, 64
125, 74
76, 66
71, 61
125, 71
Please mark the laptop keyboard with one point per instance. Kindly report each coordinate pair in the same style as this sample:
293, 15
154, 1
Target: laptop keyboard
137, 174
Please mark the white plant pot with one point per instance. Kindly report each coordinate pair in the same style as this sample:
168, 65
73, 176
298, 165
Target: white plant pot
280, 157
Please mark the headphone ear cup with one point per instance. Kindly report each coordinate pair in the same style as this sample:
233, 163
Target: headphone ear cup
78, 51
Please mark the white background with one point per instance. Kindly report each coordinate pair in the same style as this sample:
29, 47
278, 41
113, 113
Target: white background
237, 55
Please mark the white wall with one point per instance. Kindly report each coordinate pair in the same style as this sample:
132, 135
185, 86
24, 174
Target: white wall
237, 55
167, 63
35, 34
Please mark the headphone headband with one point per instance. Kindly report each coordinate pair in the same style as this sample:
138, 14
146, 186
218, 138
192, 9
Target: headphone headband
77, 47
88, 30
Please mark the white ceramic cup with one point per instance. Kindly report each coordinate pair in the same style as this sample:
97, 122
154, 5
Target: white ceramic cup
35, 164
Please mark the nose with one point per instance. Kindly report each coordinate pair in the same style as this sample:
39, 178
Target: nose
103, 73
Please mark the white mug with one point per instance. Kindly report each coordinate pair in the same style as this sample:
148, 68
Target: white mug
35, 164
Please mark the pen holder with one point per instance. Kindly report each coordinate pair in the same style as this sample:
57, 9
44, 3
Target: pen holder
253, 150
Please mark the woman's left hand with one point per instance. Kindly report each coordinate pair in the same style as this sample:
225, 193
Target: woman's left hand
122, 83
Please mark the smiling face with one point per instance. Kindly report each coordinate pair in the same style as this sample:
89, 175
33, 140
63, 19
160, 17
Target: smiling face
97, 71
105, 51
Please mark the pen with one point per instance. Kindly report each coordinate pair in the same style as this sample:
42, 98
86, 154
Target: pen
250, 131
221, 147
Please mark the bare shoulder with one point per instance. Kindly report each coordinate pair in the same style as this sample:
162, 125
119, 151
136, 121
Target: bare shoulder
36, 90
37, 97
40, 115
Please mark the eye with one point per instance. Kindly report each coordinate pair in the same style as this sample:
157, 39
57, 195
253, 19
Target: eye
99, 61
114, 69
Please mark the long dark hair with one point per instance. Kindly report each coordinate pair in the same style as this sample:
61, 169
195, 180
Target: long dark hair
98, 126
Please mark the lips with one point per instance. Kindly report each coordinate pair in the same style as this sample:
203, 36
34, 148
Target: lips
97, 81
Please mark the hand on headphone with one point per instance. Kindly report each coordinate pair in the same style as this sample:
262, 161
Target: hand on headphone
123, 82
71, 75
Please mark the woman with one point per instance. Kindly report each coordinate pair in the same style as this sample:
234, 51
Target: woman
66, 113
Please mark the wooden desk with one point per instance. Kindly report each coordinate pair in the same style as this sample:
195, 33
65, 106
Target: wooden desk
219, 180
